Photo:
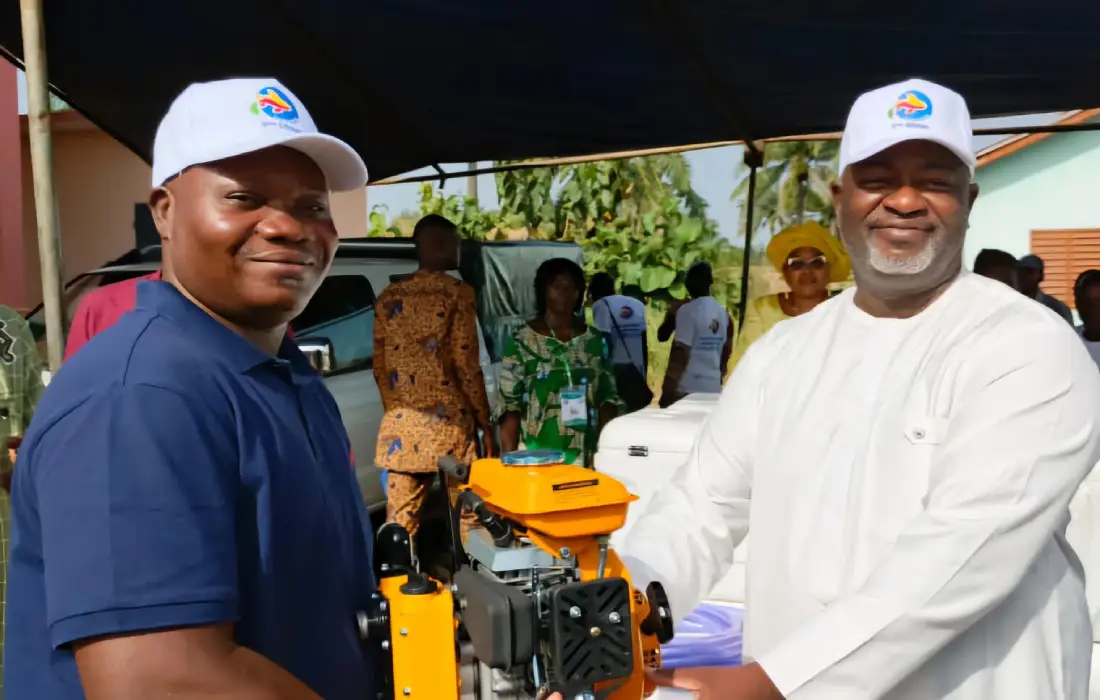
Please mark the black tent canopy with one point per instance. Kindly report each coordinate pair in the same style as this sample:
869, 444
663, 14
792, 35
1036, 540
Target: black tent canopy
410, 83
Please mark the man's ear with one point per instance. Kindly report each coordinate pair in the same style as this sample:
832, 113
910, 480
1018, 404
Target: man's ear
161, 204
973, 193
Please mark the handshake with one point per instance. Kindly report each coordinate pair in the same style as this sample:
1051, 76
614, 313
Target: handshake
719, 683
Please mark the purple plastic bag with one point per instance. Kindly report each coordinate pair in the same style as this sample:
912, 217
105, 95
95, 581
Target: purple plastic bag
709, 636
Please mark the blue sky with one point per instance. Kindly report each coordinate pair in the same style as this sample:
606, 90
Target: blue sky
712, 174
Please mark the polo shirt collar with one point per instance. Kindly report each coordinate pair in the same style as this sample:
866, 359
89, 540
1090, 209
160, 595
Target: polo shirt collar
163, 299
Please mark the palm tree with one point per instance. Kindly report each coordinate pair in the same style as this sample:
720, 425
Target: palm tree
793, 185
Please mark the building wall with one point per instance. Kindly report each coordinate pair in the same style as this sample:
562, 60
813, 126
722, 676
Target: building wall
1053, 184
98, 182
12, 284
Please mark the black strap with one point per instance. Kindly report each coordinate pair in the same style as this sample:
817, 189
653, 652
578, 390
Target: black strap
619, 330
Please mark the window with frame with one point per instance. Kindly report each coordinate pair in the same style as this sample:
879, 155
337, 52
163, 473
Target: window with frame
1066, 253
342, 311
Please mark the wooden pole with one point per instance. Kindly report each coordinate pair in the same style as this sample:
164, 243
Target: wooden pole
45, 201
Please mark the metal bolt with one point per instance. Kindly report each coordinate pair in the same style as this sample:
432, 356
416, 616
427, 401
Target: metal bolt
595, 632
574, 612
385, 645
407, 691
404, 632
615, 618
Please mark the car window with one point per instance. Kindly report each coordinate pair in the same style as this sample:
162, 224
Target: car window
342, 311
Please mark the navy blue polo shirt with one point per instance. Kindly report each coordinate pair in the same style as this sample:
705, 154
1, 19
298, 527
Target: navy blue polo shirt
175, 475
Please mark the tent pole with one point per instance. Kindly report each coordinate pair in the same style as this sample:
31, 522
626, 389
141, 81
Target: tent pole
45, 203
753, 158
471, 183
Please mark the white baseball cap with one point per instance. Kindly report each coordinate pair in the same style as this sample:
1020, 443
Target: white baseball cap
225, 118
907, 111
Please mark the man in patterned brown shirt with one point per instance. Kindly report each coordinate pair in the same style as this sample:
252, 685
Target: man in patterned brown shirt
426, 364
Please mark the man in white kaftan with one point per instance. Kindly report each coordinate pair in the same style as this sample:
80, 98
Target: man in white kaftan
904, 456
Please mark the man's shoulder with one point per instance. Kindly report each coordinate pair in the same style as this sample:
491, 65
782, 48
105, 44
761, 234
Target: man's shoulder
995, 304
125, 290
420, 283
623, 300
140, 348
1056, 304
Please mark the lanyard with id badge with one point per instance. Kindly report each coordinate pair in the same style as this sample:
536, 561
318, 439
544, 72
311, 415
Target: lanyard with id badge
574, 408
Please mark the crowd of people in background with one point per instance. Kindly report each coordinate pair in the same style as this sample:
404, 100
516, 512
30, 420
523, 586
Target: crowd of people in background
1026, 274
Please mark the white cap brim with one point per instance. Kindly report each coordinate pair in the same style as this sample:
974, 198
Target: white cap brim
873, 149
343, 168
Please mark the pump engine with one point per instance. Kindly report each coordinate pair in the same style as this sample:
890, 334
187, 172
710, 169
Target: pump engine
539, 602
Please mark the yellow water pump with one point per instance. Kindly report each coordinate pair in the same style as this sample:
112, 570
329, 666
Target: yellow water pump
538, 603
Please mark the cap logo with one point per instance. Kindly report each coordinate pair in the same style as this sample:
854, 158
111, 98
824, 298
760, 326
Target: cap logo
911, 106
626, 312
275, 104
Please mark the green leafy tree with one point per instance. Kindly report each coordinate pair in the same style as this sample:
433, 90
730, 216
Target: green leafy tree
792, 186
471, 221
638, 218
378, 225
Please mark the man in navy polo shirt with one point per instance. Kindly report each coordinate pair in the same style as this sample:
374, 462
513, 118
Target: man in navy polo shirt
185, 521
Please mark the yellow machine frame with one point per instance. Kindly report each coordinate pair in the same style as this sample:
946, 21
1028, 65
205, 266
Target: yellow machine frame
566, 511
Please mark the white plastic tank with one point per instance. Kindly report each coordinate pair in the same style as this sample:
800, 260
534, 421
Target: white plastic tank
644, 449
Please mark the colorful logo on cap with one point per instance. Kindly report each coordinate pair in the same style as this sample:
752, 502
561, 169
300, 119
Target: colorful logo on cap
911, 106
273, 102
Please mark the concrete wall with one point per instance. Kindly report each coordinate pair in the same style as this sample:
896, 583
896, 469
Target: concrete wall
1052, 184
98, 182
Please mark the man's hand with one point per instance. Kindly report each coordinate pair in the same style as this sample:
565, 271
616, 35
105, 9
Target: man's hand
738, 683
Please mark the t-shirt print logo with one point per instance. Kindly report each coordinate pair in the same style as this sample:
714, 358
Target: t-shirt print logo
714, 325
7, 343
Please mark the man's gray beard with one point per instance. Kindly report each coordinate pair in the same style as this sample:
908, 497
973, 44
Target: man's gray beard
911, 265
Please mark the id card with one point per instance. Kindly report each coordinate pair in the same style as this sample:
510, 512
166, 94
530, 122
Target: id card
574, 411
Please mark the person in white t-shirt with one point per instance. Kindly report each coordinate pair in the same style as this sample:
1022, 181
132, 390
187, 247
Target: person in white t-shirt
904, 456
703, 341
622, 320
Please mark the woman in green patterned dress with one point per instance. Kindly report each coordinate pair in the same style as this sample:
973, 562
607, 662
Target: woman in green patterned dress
556, 386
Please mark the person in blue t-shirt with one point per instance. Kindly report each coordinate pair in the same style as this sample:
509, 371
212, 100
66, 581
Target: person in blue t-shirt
185, 522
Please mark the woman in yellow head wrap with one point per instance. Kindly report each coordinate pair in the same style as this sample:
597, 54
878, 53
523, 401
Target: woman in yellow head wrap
809, 258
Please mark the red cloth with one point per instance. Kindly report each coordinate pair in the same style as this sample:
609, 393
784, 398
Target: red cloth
100, 309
